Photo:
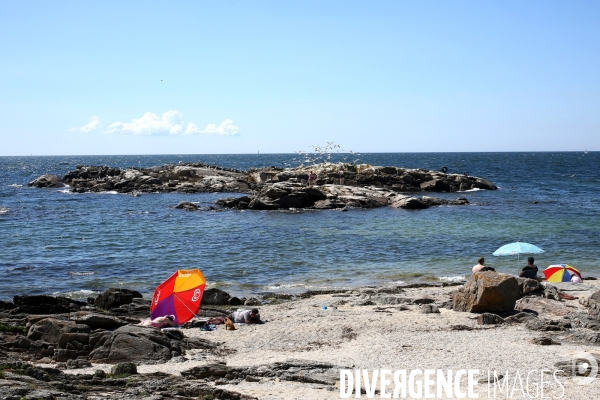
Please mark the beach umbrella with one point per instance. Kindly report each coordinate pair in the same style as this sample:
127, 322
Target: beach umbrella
180, 295
560, 273
517, 248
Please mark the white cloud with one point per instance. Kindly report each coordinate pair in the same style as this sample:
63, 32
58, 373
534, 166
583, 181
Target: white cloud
150, 124
93, 125
171, 123
227, 128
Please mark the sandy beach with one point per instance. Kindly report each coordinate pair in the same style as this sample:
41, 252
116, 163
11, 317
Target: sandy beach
356, 331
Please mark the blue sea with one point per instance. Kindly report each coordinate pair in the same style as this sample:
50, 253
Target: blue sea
56, 242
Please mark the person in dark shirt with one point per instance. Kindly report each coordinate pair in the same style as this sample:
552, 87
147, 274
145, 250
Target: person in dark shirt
530, 271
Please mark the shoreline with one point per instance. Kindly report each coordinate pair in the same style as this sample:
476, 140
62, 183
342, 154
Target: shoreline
368, 328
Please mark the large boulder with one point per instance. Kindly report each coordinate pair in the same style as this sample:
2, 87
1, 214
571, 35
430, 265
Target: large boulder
50, 329
487, 292
540, 305
46, 181
215, 297
115, 297
131, 343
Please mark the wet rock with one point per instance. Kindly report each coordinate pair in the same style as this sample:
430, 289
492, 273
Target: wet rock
187, 206
115, 297
487, 292
47, 181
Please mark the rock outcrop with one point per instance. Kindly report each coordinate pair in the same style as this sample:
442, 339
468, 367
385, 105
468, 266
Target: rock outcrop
47, 181
365, 186
115, 297
293, 195
487, 292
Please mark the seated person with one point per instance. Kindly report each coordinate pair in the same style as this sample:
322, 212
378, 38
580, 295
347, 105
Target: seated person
160, 322
246, 316
480, 267
530, 271
576, 279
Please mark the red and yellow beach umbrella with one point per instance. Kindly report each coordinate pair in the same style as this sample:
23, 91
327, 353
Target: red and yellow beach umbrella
560, 273
180, 295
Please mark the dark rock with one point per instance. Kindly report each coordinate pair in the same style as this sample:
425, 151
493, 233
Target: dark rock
584, 320
75, 364
100, 321
584, 337
551, 292
50, 330
46, 181
132, 343
544, 341
46, 304
519, 318
115, 297
489, 319
435, 185
252, 301
138, 308
186, 205
547, 325
527, 286
487, 292
215, 297
66, 338
124, 369
7, 305
234, 301
423, 301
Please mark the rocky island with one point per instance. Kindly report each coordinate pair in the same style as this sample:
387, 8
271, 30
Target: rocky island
364, 186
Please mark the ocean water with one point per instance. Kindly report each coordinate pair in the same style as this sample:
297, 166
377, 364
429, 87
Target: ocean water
56, 242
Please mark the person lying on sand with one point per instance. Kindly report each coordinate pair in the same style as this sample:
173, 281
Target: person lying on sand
246, 316
160, 322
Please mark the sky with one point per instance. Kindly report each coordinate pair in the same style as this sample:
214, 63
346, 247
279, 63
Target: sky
200, 77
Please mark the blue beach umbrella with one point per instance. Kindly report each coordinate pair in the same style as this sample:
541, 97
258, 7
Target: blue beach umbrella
517, 248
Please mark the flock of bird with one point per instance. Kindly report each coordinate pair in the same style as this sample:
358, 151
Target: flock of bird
322, 154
